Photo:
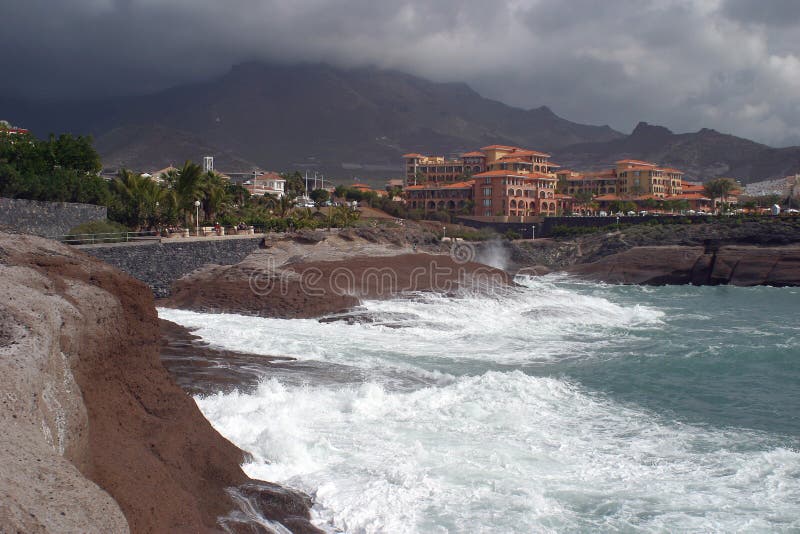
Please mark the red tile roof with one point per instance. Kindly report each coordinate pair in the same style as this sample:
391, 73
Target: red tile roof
527, 152
512, 158
642, 168
441, 185
637, 162
413, 155
460, 185
500, 147
473, 154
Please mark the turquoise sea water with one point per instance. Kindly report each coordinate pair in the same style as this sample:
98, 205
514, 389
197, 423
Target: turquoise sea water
721, 356
562, 406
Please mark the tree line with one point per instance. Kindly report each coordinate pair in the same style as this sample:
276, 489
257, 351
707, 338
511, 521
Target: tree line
66, 169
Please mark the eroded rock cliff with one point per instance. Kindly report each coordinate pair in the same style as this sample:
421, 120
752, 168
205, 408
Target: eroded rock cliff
94, 434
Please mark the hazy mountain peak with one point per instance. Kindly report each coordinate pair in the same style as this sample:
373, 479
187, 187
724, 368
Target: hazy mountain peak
647, 129
359, 121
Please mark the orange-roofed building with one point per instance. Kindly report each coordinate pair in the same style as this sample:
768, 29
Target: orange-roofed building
629, 178
423, 169
515, 194
508, 182
454, 198
636, 178
690, 187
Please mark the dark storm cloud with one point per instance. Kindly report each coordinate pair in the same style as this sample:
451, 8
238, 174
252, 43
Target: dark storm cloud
770, 12
730, 65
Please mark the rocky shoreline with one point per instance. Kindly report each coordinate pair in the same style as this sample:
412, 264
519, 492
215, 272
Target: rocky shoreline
710, 265
291, 279
746, 253
96, 436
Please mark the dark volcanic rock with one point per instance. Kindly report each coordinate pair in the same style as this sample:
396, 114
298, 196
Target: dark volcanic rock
735, 265
643, 265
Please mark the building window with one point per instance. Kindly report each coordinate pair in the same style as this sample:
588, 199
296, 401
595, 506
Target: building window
487, 181
487, 191
487, 201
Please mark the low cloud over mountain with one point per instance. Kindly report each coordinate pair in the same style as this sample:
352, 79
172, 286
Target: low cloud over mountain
731, 65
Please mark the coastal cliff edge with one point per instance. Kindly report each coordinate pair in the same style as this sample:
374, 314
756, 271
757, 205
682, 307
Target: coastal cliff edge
94, 434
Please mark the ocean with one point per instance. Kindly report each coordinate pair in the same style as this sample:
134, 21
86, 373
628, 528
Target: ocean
560, 406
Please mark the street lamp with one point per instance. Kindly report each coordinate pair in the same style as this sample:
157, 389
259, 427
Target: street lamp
533, 232
444, 232
197, 217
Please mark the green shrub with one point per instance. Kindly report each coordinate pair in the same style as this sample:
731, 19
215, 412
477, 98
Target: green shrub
99, 227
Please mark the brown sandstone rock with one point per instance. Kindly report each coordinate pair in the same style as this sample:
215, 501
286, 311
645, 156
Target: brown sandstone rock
85, 394
316, 288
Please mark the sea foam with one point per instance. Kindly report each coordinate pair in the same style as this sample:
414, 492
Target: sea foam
465, 441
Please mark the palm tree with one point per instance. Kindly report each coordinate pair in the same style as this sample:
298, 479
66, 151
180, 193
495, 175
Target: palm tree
344, 216
140, 197
284, 205
215, 195
270, 202
719, 188
185, 182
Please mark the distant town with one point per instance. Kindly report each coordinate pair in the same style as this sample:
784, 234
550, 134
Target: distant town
506, 188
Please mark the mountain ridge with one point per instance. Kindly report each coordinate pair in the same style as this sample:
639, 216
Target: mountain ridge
359, 121
310, 115
704, 154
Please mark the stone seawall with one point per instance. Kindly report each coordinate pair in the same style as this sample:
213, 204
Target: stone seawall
46, 218
160, 264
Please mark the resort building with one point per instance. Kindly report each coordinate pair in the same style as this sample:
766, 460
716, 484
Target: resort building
510, 184
595, 183
501, 193
498, 181
645, 178
422, 169
628, 178
454, 198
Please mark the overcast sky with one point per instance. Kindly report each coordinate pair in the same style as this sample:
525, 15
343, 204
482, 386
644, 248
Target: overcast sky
732, 65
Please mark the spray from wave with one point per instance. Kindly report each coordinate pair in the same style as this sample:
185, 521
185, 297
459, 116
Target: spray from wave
494, 254
435, 420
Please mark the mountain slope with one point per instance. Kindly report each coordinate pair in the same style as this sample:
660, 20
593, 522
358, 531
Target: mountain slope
347, 122
702, 155
284, 117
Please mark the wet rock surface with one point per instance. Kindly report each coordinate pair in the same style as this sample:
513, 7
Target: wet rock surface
715, 265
